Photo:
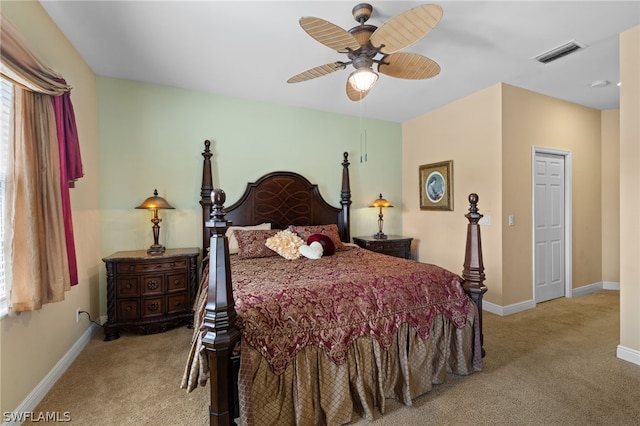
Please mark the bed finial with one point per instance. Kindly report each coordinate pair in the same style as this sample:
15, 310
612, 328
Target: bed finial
218, 197
205, 191
473, 214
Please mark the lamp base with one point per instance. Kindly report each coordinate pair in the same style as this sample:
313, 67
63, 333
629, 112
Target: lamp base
380, 236
156, 249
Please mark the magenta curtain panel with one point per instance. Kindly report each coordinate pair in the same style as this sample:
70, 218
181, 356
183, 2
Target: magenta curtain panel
70, 170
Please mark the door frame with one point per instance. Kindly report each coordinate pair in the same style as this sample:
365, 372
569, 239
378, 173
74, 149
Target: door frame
568, 259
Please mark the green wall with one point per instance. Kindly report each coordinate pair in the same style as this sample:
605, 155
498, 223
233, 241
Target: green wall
151, 136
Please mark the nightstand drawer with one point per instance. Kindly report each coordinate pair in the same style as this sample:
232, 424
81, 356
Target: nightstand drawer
176, 282
176, 303
128, 309
152, 307
128, 287
137, 267
152, 285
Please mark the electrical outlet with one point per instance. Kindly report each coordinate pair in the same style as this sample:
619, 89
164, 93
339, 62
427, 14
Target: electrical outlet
78, 311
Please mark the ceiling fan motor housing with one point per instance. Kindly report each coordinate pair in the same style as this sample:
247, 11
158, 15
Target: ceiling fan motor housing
362, 12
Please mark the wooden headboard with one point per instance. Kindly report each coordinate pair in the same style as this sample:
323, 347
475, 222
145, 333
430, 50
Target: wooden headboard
279, 198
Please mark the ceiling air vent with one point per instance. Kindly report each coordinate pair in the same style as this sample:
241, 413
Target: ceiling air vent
560, 51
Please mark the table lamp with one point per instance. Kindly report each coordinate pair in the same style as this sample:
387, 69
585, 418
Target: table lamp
154, 203
380, 203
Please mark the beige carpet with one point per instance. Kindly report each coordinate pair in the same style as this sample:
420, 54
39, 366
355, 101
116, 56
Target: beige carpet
552, 365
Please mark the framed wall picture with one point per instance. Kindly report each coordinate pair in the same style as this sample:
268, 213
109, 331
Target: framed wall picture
436, 186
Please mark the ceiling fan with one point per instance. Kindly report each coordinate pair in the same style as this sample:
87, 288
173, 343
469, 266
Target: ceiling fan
366, 45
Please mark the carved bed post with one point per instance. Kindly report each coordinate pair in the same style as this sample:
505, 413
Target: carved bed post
205, 193
473, 272
345, 199
220, 318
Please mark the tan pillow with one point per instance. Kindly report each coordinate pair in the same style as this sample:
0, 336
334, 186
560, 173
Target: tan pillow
233, 241
251, 243
286, 244
330, 231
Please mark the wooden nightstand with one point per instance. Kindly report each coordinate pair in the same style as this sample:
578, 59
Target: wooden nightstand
150, 293
393, 245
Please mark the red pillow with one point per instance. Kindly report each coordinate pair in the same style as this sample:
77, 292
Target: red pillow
327, 244
331, 230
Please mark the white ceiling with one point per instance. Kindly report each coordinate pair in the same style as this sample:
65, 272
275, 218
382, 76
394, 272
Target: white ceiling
249, 49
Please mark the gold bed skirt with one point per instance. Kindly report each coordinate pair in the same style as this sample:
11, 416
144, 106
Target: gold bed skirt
315, 391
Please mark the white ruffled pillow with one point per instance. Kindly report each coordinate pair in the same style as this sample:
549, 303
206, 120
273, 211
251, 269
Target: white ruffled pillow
233, 241
286, 244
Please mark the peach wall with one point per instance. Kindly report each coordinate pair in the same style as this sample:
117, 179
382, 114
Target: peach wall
630, 192
468, 132
531, 119
489, 135
610, 154
32, 343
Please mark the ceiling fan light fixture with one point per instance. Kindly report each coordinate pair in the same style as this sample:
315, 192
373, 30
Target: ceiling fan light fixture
363, 79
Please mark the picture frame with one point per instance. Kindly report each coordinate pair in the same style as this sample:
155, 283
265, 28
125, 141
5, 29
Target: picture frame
436, 186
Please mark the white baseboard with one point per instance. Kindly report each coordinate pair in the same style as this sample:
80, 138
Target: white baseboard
608, 285
628, 354
586, 289
509, 309
591, 288
530, 304
45, 385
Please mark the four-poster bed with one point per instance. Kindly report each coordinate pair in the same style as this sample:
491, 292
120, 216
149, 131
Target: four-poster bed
320, 339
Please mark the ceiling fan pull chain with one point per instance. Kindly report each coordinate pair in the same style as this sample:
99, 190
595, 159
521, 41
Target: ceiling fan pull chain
363, 133
363, 130
365, 145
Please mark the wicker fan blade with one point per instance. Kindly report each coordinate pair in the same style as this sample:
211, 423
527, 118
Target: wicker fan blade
353, 94
408, 65
318, 71
405, 29
329, 34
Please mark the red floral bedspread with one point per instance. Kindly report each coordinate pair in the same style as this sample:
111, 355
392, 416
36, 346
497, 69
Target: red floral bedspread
284, 305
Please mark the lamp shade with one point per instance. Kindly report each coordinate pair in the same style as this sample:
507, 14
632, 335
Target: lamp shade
363, 79
155, 202
380, 202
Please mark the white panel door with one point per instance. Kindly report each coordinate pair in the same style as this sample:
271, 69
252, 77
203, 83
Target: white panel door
548, 199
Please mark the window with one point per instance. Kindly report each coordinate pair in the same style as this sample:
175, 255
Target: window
6, 89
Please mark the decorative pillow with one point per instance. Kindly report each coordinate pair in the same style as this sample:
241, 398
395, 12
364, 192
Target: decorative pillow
286, 244
328, 248
252, 243
233, 241
330, 231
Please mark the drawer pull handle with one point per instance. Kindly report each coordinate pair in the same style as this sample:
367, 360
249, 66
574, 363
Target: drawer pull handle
128, 286
153, 306
152, 285
128, 309
176, 282
132, 267
177, 304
